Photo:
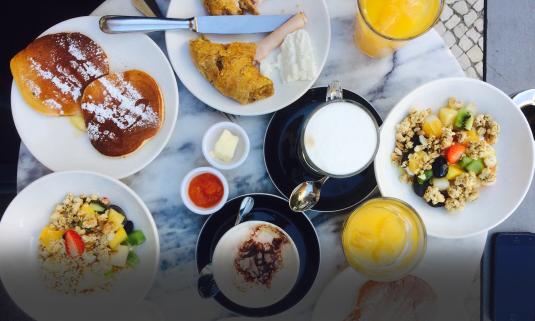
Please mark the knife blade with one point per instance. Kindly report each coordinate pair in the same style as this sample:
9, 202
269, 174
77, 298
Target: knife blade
205, 24
239, 24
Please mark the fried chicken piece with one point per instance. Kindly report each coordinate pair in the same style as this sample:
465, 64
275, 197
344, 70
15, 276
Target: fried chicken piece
231, 69
231, 7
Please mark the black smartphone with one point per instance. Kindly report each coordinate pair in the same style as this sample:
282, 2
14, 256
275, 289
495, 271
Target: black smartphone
513, 277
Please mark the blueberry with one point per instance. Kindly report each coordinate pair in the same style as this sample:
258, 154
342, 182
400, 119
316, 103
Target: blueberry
440, 167
416, 140
441, 204
418, 188
436, 205
128, 226
117, 209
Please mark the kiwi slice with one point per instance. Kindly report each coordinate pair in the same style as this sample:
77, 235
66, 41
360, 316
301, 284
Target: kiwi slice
464, 119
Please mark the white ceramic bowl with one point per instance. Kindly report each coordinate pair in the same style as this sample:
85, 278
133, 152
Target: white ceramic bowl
58, 145
212, 135
184, 191
514, 149
21, 225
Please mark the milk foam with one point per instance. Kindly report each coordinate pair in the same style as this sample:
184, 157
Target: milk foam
341, 138
232, 283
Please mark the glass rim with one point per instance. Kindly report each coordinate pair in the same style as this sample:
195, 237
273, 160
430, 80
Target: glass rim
306, 158
442, 2
421, 224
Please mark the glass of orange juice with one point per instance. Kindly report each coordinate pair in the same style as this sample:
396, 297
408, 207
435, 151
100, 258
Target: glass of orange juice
384, 239
382, 26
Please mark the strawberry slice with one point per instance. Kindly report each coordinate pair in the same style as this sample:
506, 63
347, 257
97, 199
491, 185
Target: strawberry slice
455, 152
74, 245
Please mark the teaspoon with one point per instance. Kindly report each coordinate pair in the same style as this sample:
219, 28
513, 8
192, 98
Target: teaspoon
245, 208
306, 195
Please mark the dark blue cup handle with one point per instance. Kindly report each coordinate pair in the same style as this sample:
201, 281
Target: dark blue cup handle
526, 102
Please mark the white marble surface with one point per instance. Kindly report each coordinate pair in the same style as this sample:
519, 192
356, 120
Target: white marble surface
383, 82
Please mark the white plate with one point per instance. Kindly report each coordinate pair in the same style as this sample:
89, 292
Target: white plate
318, 27
514, 150
20, 227
60, 146
338, 299
340, 296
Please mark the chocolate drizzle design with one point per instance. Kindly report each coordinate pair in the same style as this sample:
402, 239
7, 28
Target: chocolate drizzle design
259, 261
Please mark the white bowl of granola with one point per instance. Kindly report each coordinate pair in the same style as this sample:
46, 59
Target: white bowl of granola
486, 174
80, 244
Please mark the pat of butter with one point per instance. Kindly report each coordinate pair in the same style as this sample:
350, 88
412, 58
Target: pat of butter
225, 147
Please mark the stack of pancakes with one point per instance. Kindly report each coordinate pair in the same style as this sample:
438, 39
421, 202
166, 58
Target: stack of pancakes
66, 74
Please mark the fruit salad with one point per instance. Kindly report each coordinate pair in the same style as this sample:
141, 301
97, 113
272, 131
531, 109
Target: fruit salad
449, 156
86, 243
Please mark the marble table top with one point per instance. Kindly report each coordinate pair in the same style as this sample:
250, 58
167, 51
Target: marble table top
383, 82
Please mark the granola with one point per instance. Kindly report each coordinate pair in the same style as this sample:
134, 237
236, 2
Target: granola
86, 242
447, 157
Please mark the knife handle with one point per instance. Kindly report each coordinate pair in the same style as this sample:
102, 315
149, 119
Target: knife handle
120, 24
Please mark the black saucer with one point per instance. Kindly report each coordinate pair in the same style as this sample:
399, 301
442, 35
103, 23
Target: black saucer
285, 169
275, 210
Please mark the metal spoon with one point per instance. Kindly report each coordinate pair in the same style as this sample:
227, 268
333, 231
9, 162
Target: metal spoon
245, 208
306, 195
206, 285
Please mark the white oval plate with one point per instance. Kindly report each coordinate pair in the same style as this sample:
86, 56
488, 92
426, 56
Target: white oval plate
514, 150
21, 225
60, 146
318, 27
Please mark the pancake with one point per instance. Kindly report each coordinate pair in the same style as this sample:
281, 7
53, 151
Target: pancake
52, 72
122, 111
407, 299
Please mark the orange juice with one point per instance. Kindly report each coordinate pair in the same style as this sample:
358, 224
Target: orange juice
382, 26
384, 239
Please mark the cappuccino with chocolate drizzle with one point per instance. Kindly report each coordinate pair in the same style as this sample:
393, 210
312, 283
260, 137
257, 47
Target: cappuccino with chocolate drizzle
255, 264
259, 258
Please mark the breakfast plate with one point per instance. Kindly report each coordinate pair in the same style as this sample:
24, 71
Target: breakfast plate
339, 299
273, 210
57, 144
285, 167
514, 152
318, 27
21, 235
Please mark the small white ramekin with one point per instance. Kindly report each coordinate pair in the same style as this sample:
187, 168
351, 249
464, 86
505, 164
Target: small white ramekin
212, 135
185, 196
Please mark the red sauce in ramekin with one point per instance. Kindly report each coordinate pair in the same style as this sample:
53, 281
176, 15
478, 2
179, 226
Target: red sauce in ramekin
205, 190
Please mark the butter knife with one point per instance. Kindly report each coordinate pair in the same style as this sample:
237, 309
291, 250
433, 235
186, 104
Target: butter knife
245, 24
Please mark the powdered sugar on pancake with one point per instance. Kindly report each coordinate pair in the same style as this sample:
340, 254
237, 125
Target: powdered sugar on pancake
86, 68
70, 67
123, 105
54, 104
35, 89
62, 81
95, 133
